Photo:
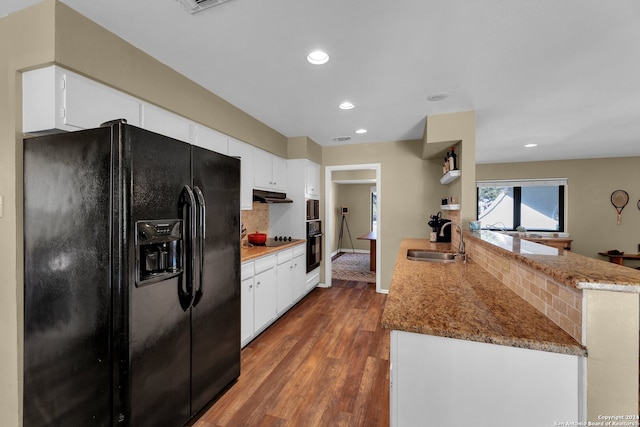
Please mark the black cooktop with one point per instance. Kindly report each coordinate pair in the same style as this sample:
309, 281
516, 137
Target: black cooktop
278, 241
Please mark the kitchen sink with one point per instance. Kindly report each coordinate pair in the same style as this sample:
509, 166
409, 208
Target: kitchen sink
432, 256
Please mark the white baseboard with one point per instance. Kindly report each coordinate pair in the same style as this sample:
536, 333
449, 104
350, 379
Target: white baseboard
349, 250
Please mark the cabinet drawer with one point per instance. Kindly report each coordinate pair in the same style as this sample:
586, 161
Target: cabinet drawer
264, 264
298, 250
246, 270
284, 255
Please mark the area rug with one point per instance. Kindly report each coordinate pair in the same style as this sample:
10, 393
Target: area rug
352, 266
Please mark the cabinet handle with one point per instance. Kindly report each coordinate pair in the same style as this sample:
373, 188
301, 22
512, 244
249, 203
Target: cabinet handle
257, 283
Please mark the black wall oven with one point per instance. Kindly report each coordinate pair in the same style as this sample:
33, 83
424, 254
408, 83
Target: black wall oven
313, 209
314, 244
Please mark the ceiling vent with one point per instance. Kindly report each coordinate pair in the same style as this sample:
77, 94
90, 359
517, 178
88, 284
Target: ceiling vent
195, 6
341, 138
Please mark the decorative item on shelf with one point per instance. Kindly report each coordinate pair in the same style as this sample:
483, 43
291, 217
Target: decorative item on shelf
453, 160
619, 200
474, 225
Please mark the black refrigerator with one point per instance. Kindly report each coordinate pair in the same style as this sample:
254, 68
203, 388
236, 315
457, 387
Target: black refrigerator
131, 278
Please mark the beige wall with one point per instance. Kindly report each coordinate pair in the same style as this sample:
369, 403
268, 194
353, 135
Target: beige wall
302, 147
358, 198
26, 39
443, 131
591, 219
409, 188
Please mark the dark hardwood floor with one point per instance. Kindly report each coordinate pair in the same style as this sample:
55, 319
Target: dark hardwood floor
324, 363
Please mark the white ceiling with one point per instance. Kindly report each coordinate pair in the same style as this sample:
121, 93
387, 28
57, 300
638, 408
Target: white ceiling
562, 74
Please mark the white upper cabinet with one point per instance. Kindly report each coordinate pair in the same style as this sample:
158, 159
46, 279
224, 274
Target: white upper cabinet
262, 177
210, 139
165, 123
279, 173
54, 98
270, 172
245, 153
312, 180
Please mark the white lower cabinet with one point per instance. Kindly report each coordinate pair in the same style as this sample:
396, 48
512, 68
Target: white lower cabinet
447, 382
285, 280
246, 302
299, 273
265, 295
270, 285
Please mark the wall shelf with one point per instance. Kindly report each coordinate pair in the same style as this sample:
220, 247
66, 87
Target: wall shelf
450, 207
450, 176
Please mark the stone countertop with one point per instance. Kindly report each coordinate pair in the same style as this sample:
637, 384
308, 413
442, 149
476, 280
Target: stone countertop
463, 301
572, 269
248, 253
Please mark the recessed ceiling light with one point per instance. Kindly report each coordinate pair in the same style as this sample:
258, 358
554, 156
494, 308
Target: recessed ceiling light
346, 105
438, 96
361, 131
318, 57
530, 145
341, 138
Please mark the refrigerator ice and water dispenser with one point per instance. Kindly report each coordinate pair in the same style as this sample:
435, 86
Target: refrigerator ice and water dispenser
158, 250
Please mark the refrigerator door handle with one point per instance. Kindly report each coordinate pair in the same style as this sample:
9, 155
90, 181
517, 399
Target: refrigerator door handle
202, 215
185, 287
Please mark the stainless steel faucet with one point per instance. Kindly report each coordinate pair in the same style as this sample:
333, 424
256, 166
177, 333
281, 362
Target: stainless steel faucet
461, 252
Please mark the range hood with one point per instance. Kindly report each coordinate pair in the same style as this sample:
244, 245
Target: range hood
270, 197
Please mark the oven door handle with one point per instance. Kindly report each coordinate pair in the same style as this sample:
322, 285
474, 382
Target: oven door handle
317, 235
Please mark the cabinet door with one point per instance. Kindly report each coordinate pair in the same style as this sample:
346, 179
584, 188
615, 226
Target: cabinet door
245, 153
299, 277
88, 104
265, 298
279, 173
165, 123
263, 169
312, 180
54, 98
211, 140
285, 286
246, 310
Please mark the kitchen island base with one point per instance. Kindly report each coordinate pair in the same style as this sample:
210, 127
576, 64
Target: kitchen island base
439, 381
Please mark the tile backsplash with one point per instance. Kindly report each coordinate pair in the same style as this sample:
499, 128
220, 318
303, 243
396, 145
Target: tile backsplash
256, 219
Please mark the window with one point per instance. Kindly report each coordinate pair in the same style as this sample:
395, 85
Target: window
536, 205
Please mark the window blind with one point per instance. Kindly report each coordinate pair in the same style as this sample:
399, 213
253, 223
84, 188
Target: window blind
543, 182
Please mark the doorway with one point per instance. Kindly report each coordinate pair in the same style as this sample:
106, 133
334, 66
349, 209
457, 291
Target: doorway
331, 207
